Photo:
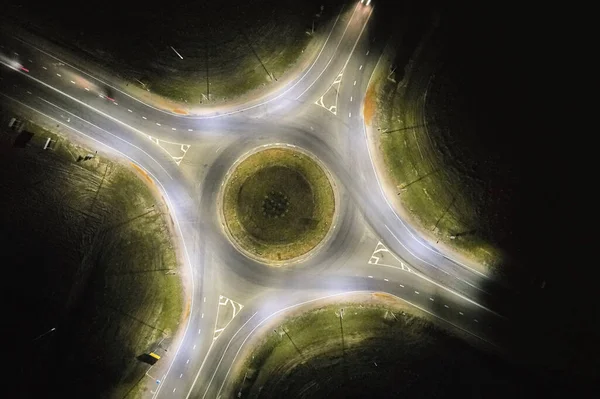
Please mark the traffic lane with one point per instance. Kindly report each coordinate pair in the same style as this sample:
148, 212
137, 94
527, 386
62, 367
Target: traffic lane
52, 54
126, 110
258, 318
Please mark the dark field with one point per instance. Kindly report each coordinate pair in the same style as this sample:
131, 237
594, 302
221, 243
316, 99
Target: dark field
86, 251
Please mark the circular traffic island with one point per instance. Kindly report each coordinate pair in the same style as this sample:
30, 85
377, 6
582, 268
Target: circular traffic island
278, 205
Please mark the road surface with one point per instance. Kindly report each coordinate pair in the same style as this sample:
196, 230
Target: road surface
188, 157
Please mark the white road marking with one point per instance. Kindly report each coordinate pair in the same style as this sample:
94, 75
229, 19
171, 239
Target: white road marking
401, 286
350, 98
199, 330
158, 124
45, 68
73, 82
204, 299
385, 279
58, 74
173, 128
360, 68
28, 92
431, 299
349, 114
143, 117
370, 276
194, 347
174, 389
417, 292
129, 110
180, 375
187, 361
367, 53
446, 306
116, 103
461, 313
475, 320
354, 83
190, 130
202, 315
86, 89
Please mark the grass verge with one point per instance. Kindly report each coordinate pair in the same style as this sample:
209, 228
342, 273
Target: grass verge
386, 351
278, 204
91, 249
441, 198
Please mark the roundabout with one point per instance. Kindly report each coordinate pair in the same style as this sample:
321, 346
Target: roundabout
277, 205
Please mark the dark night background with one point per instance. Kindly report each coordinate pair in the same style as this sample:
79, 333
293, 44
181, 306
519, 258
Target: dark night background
496, 62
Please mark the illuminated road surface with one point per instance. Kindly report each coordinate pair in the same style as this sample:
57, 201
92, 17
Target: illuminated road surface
371, 248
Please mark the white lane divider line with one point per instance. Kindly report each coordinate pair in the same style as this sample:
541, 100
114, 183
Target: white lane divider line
86, 89
59, 75
417, 292
173, 128
446, 306
158, 124
143, 117
461, 313
180, 375
204, 299
174, 389
199, 330
360, 68
129, 110
194, 347
28, 92
73, 82
476, 321
370, 276
190, 130
385, 279
401, 286
350, 98
349, 114
354, 83
367, 53
202, 315
116, 103
45, 68
187, 361
431, 299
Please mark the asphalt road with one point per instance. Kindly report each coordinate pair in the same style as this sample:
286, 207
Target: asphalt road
320, 111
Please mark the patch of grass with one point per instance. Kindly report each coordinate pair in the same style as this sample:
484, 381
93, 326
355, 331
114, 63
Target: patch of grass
278, 204
90, 244
441, 198
385, 350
